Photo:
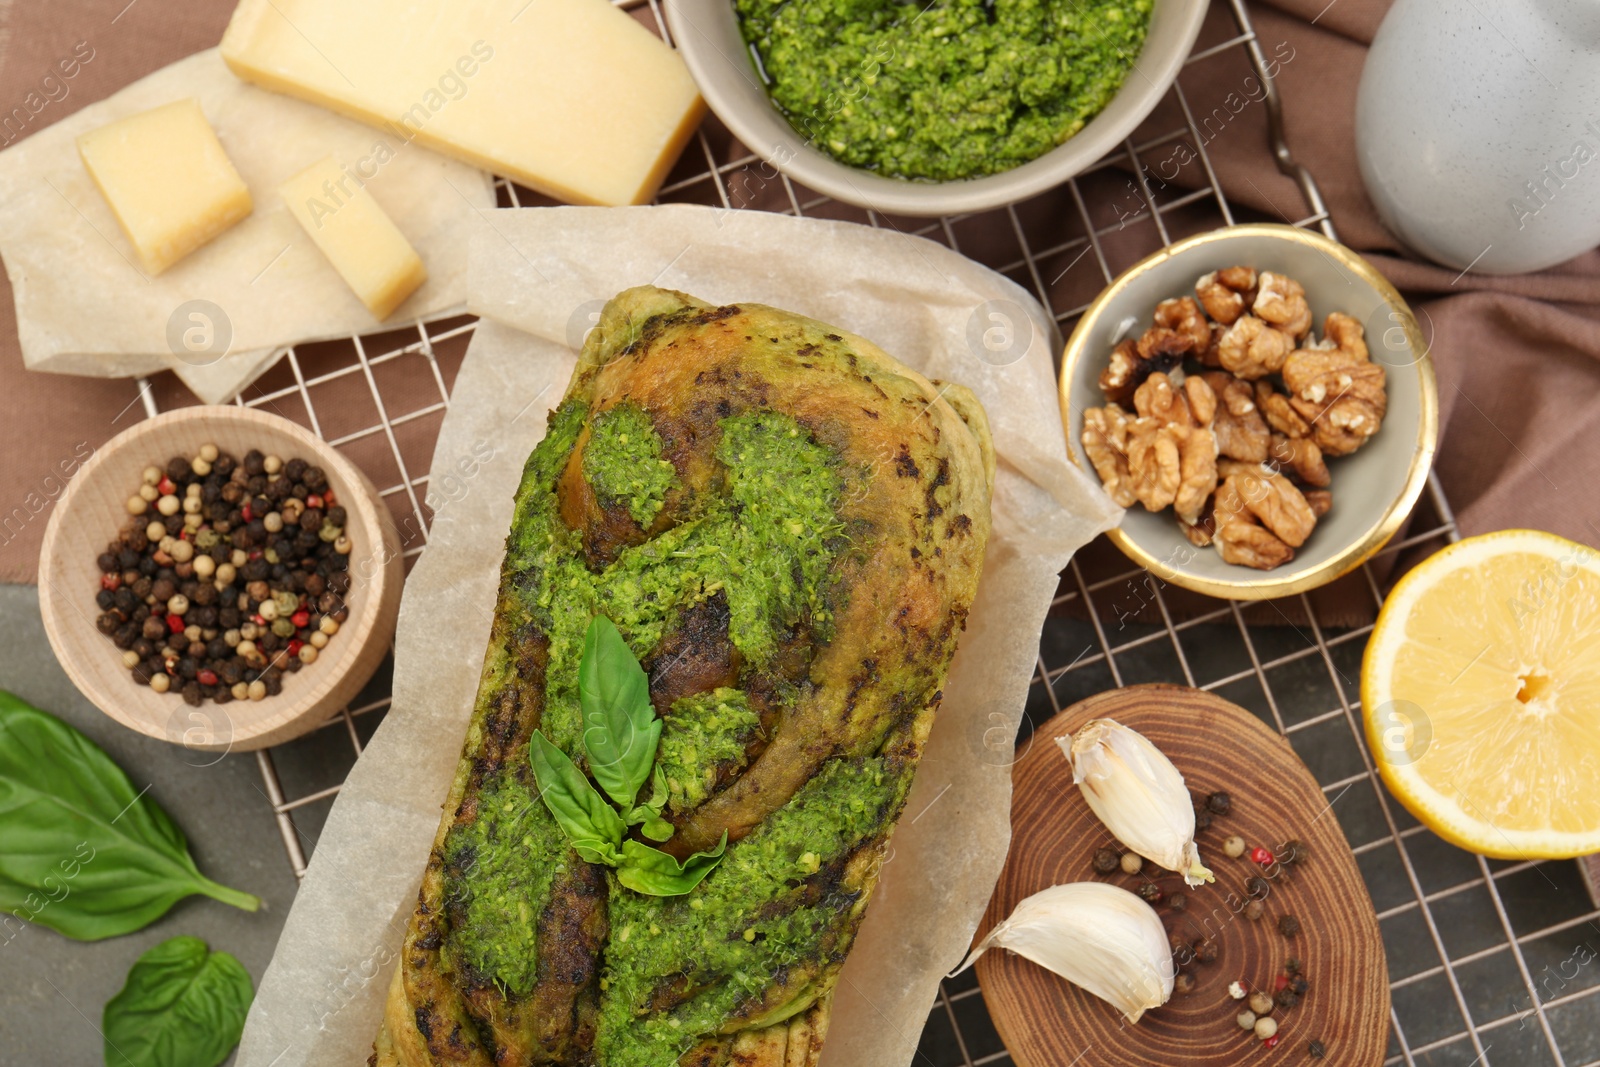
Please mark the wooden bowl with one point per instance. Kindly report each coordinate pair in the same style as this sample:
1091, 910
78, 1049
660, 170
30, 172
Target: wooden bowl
92, 511
1048, 1022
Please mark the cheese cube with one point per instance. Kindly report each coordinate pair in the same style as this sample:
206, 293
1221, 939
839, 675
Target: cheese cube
359, 239
167, 179
572, 98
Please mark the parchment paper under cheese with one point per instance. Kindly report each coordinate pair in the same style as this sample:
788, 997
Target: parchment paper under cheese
539, 281
85, 307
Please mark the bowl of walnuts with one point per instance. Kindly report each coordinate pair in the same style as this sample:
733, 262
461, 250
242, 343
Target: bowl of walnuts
1262, 403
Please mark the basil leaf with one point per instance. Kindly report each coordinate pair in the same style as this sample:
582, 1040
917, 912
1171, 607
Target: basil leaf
592, 851
620, 728
583, 814
649, 813
86, 854
654, 873
182, 1006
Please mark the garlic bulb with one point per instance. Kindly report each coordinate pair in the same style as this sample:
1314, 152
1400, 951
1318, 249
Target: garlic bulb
1097, 936
1137, 793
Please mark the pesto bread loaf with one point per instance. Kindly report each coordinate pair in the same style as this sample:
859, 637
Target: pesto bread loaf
786, 526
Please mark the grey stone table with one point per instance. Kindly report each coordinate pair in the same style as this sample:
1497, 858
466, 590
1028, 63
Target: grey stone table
52, 989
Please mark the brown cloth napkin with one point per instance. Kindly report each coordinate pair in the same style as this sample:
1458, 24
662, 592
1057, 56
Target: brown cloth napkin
1518, 358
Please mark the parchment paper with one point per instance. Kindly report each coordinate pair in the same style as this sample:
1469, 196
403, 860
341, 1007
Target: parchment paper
84, 306
537, 280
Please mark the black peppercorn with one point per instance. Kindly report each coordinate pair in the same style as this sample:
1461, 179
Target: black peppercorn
1289, 926
1179, 947
105, 600
1254, 910
178, 469
274, 680
1219, 803
1286, 998
254, 462
1257, 887
1206, 950
1317, 1049
1177, 902
1292, 966
1183, 983
107, 563
1292, 852
1105, 859
1202, 821
1149, 892
1299, 984
192, 694
154, 629
107, 623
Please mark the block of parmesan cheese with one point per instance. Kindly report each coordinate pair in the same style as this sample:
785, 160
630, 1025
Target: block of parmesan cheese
359, 239
167, 179
572, 98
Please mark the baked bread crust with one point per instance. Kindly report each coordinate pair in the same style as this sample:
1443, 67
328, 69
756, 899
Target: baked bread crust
916, 467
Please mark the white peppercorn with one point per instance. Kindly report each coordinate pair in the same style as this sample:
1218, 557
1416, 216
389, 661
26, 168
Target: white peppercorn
318, 639
258, 690
178, 604
1247, 1020
168, 505
272, 464
137, 506
151, 476
209, 453
329, 625
130, 659
155, 532
1234, 846
241, 691
160, 682
204, 566
308, 653
1265, 1028
267, 609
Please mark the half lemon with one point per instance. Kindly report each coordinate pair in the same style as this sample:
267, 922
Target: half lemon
1481, 693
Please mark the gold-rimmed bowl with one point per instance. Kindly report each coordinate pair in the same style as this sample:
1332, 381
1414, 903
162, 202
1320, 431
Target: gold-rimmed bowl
1374, 488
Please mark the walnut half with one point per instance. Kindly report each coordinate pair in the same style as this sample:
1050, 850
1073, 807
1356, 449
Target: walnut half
1337, 389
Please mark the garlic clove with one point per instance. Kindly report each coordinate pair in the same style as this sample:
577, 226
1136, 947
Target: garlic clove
1097, 936
1139, 795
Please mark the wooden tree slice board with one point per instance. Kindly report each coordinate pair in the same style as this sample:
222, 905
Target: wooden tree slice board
1048, 1022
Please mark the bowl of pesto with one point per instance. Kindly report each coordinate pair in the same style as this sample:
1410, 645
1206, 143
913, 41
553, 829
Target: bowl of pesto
933, 107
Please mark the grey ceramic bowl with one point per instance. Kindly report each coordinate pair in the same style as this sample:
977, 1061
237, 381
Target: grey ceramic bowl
1374, 488
707, 35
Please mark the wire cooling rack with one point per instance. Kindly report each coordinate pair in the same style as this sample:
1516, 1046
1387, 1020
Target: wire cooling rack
1489, 962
